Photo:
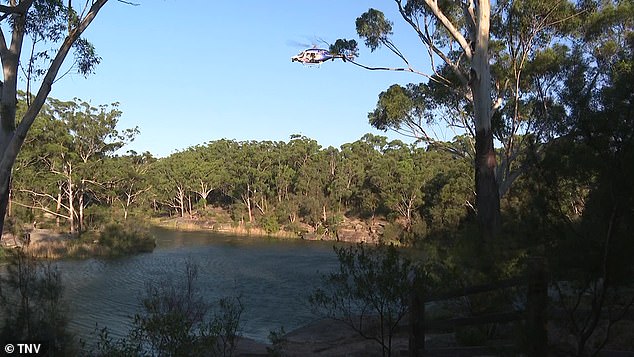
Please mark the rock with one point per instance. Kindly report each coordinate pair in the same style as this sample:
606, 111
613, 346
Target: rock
354, 236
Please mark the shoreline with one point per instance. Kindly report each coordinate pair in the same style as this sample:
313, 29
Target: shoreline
52, 244
198, 226
349, 231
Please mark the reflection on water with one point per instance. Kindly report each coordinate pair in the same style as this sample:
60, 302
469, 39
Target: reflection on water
273, 277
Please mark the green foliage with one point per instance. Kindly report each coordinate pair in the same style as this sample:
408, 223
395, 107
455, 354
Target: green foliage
67, 159
374, 28
402, 109
120, 239
270, 224
392, 232
347, 48
272, 184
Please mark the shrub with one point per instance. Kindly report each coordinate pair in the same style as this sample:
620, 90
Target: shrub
392, 232
278, 343
176, 321
269, 223
120, 239
32, 305
369, 293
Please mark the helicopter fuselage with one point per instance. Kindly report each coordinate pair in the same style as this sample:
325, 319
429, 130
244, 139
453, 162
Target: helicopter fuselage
314, 56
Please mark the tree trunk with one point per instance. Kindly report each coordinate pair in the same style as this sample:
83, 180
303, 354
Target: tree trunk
324, 217
10, 199
3, 205
248, 202
181, 201
8, 102
81, 211
127, 205
58, 207
71, 208
487, 194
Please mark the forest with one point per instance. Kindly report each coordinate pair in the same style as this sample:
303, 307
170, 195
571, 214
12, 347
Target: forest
542, 99
75, 179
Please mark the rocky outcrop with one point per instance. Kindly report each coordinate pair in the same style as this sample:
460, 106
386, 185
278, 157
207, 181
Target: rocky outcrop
352, 231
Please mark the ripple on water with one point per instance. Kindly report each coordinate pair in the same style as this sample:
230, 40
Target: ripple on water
273, 279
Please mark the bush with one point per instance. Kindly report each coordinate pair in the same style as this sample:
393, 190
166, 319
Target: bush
295, 228
278, 343
32, 305
370, 292
269, 224
392, 232
121, 239
175, 321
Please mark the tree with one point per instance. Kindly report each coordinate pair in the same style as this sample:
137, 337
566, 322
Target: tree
399, 176
369, 293
589, 172
50, 23
94, 136
129, 179
64, 170
464, 89
38, 181
171, 183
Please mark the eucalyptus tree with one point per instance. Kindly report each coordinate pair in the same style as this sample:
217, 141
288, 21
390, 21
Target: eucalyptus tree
129, 179
463, 88
47, 24
449, 196
171, 183
250, 170
38, 181
399, 176
313, 177
207, 170
355, 160
94, 136
73, 140
304, 160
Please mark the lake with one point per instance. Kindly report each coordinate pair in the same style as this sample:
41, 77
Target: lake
273, 277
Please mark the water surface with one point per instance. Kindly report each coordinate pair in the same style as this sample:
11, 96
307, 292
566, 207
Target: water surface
273, 277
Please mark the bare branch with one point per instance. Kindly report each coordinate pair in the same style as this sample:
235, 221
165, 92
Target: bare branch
426, 39
57, 214
453, 31
129, 2
399, 69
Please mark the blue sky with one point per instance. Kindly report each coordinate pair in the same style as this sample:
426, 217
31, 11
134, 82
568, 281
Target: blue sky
190, 72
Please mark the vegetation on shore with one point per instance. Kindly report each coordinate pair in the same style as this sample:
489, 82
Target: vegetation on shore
46, 244
552, 84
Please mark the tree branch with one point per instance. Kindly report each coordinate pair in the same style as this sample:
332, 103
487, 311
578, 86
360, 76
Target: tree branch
453, 31
20, 8
41, 208
427, 41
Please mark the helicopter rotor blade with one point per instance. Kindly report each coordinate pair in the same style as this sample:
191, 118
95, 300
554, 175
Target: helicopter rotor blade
298, 44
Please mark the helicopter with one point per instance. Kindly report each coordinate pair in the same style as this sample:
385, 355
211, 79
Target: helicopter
316, 56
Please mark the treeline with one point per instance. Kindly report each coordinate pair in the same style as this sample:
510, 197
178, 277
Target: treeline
69, 173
